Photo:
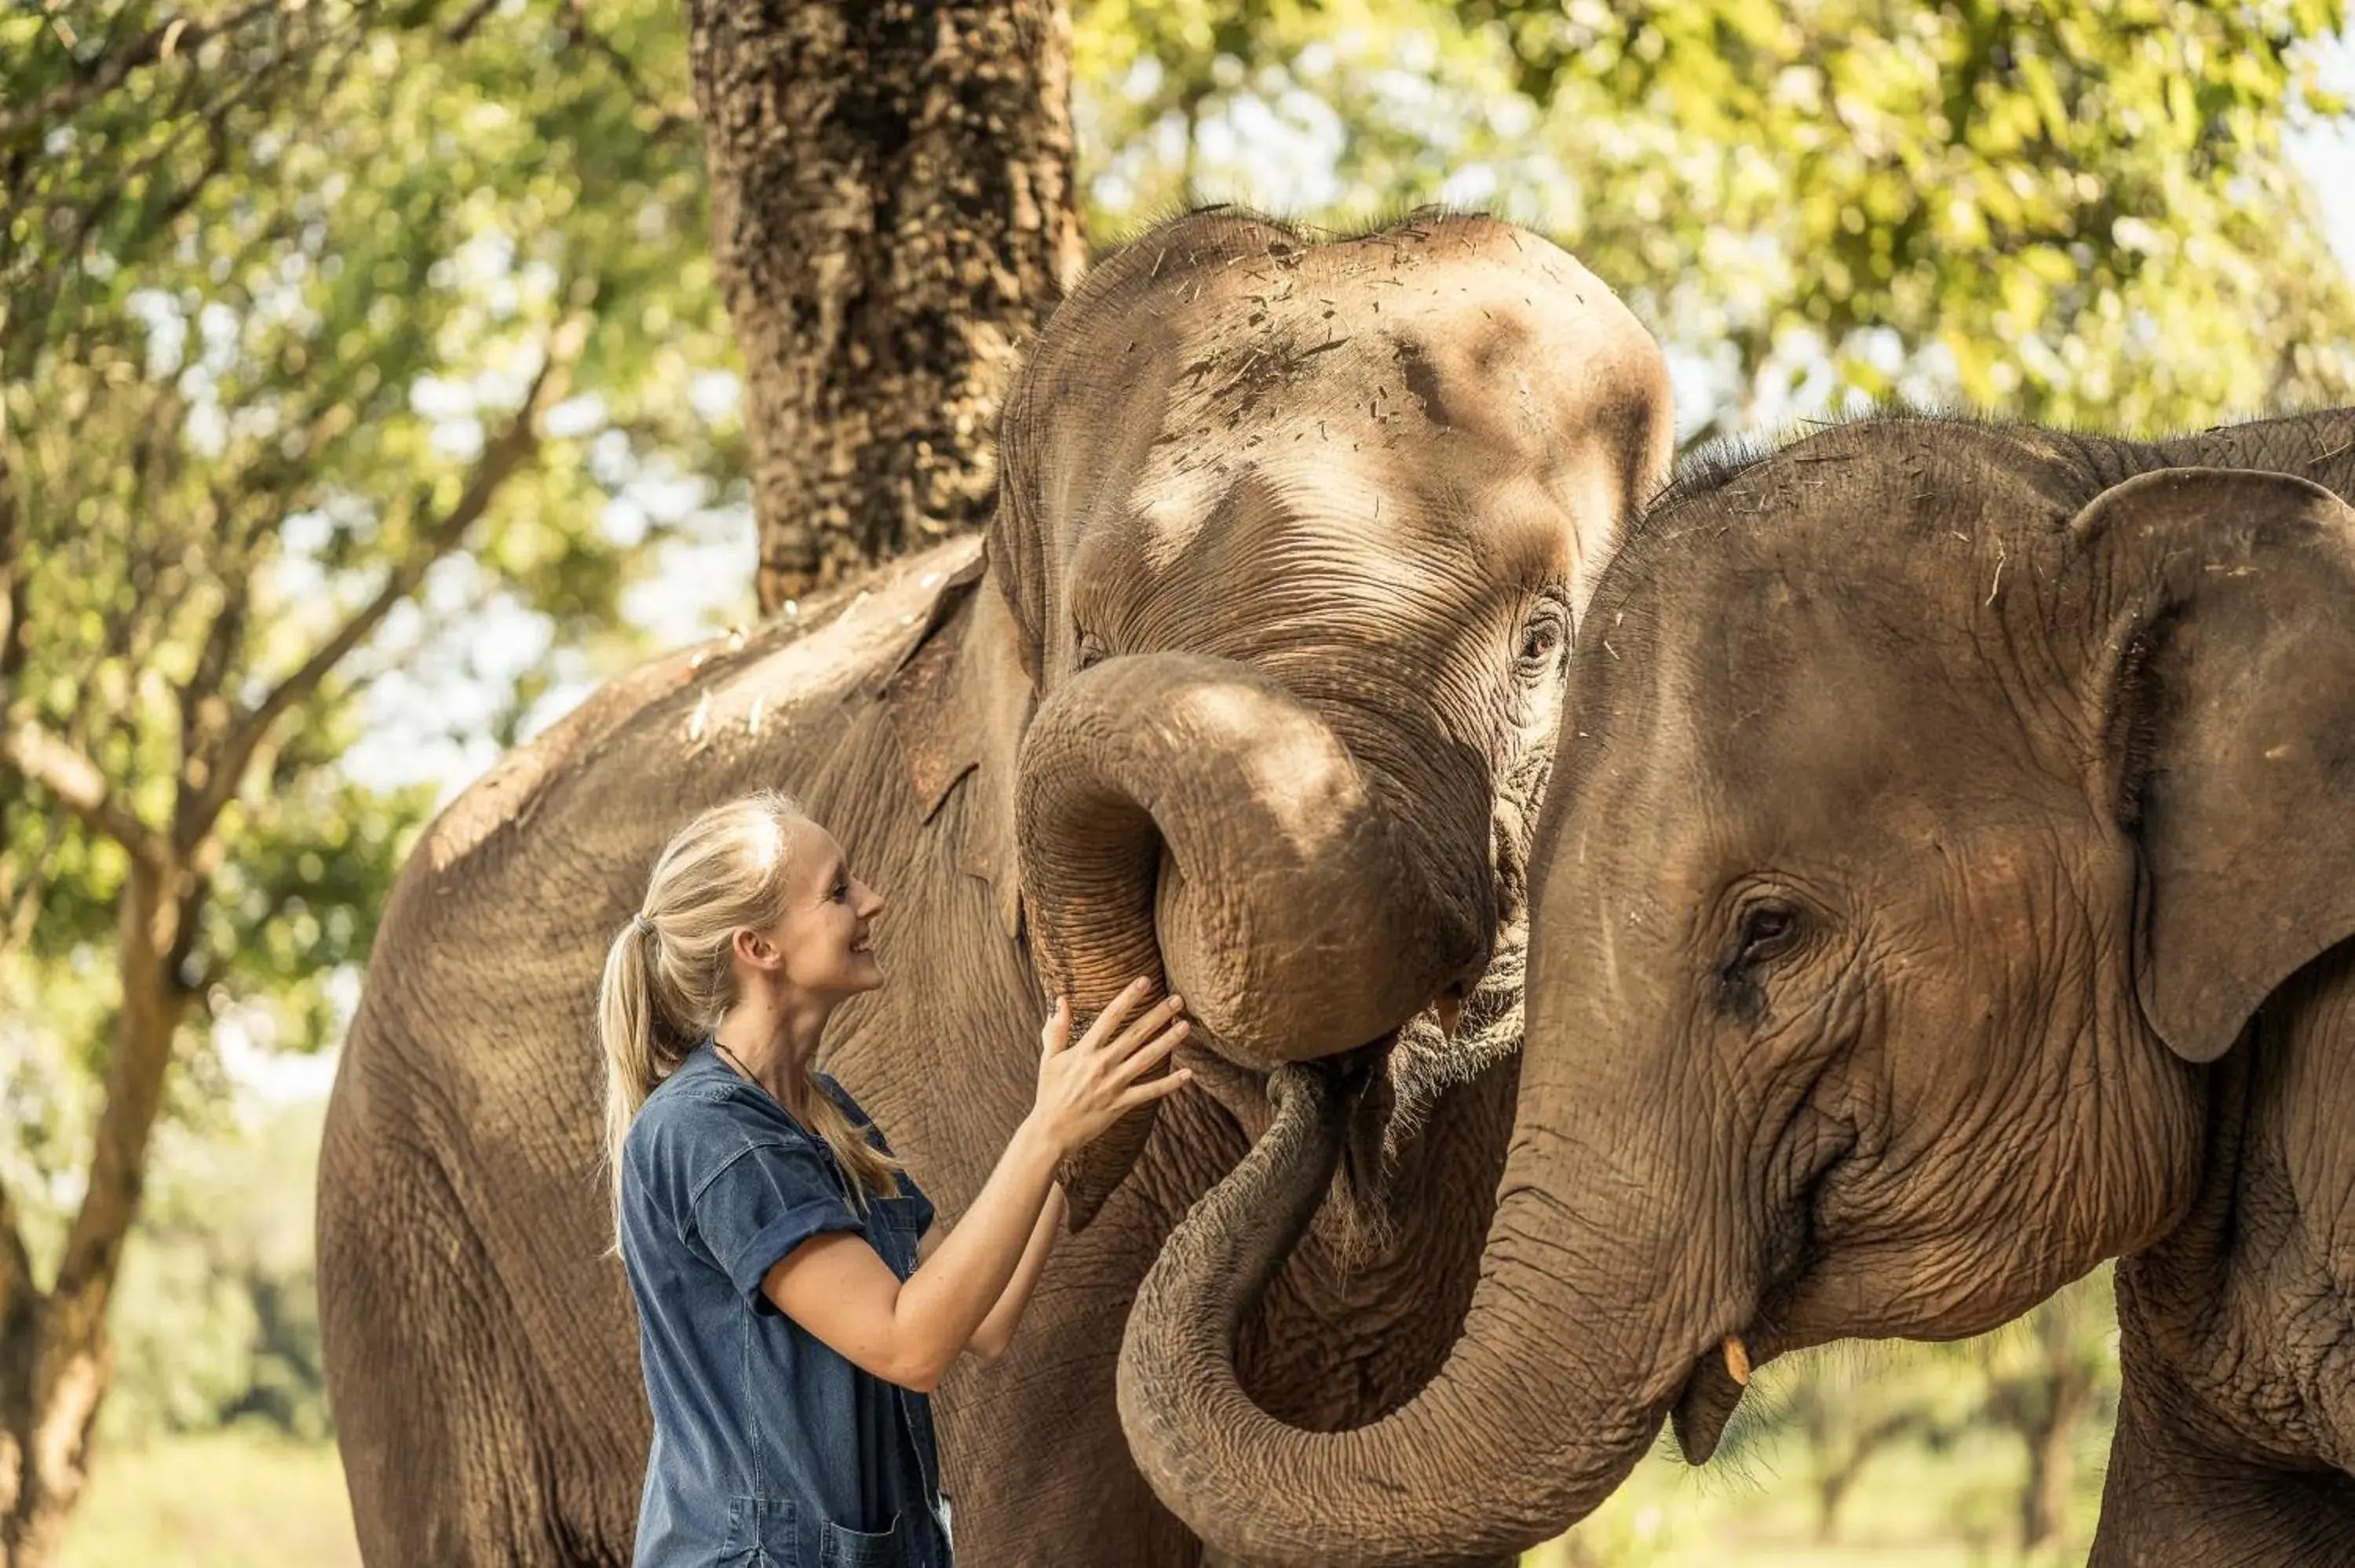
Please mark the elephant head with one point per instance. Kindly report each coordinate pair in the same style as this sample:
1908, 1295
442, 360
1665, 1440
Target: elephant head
1934, 800
1276, 609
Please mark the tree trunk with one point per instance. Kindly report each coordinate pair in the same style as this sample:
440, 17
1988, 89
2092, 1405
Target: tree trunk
893, 214
1831, 1490
2050, 1466
56, 1357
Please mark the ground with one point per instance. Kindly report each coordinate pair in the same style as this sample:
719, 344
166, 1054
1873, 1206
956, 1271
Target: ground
221, 1501
234, 1500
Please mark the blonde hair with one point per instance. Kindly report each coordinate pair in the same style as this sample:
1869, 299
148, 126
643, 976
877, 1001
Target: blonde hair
668, 980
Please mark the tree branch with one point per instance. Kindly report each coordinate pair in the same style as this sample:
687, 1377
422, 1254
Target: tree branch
198, 695
15, 1263
108, 72
24, 901
37, 756
144, 1026
576, 27
463, 27
513, 447
14, 644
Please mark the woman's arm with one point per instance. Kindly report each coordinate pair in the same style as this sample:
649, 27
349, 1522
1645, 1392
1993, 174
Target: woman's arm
837, 1287
841, 1291
996, 1330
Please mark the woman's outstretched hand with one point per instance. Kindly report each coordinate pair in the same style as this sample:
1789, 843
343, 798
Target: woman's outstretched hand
1086, 1086
969, 1292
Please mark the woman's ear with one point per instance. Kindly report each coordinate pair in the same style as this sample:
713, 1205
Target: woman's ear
2232, 732
753, 949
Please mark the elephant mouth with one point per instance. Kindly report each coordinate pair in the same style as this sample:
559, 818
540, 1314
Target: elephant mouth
1711, 1394
1456, 1039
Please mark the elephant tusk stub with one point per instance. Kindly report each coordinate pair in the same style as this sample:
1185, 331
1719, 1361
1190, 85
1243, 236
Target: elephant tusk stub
1737, 1361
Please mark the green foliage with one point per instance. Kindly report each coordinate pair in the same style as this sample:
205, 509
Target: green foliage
274, 289
331, 333
219, 1316
2081, 213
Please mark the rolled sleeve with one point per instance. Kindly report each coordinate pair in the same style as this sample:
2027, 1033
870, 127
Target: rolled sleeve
763, 1202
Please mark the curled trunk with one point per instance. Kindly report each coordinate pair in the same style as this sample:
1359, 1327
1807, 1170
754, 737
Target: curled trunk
1544, 1403
1185, 818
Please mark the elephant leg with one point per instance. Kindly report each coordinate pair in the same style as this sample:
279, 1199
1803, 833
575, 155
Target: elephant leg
2174, 1500
414, 1447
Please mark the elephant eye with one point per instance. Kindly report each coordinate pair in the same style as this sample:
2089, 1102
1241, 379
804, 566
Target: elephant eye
1091, 652
1768, 931
1543, 639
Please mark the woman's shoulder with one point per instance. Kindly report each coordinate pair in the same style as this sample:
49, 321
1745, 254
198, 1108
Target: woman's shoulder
701, 1104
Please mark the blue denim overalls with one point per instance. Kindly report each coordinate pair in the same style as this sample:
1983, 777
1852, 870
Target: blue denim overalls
768, 1448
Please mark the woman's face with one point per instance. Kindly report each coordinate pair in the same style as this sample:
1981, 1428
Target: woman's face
824, 937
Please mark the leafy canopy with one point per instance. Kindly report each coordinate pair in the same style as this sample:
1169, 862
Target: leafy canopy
330, 332
2069, 212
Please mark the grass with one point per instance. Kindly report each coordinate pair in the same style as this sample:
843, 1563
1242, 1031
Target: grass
226, 1499
1908, 1509
237, 1500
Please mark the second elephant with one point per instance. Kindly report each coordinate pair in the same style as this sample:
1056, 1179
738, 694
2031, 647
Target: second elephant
1947, 884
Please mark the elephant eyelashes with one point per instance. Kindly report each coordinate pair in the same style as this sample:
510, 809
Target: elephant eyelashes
1091, 650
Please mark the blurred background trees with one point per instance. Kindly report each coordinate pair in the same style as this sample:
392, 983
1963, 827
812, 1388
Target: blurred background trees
366, 396
330, 331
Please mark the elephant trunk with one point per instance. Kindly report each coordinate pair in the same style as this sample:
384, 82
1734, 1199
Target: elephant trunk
1595, 1312
1187, 818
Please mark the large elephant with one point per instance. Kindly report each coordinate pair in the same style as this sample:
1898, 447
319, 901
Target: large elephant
1249, 688
1946, 885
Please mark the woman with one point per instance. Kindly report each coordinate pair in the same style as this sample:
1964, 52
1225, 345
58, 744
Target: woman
796, 1300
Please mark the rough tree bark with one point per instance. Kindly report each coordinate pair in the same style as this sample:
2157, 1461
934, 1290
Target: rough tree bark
893, 214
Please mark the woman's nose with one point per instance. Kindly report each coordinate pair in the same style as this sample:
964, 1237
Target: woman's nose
874, 905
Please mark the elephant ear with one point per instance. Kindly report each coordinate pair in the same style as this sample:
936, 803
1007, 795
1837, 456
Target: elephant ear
958, 703
2231, 727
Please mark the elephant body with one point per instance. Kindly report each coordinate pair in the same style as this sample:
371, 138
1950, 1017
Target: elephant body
1947, 881
2236, 1419
1173, 567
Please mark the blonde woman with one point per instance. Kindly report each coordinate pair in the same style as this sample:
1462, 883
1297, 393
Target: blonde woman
797, 1299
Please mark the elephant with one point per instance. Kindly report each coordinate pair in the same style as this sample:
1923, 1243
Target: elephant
1945, 884
1247, 689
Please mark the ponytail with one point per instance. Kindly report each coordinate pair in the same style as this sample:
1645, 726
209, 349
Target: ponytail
625, 1026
